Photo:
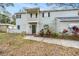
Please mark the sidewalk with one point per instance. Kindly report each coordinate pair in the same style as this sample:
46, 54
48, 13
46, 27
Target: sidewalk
68, 43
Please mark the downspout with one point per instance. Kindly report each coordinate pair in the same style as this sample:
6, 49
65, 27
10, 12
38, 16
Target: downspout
55, 25
37, 29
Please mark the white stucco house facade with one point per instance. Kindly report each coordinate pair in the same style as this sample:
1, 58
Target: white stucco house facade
32, 20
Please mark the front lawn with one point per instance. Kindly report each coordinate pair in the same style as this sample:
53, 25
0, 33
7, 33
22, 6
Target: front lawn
15, 45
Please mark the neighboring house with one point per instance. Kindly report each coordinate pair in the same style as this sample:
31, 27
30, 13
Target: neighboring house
32, 20
4, 27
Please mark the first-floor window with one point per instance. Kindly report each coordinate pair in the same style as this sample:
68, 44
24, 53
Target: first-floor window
31, 15
18, 16
18, 27
42, 14
48, 14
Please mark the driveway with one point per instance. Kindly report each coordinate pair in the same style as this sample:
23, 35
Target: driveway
68, 43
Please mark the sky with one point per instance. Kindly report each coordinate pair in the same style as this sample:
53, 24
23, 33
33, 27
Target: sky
19, 6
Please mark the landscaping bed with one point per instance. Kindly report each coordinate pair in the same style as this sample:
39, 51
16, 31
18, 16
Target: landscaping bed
66, 37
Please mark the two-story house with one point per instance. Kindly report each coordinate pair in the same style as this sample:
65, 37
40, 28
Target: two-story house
32, 20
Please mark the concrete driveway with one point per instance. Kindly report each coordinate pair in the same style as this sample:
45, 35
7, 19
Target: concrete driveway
68, 43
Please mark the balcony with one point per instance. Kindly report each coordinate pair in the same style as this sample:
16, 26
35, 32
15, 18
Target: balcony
33, 19
33, 10
33, 14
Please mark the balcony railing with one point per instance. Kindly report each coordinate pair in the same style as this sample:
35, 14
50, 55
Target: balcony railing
33, 19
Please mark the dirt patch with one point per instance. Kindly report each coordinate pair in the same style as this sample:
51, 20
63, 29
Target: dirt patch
15, 45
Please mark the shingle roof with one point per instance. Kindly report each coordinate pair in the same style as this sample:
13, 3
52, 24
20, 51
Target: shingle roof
74, 17
49, 10
68, 19
58, 10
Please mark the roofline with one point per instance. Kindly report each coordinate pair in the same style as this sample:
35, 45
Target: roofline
4, 24
73, 17
20, 13
58, 10
32, 8
69, 21
48, 10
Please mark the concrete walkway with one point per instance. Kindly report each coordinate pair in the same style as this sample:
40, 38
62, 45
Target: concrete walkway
68, 43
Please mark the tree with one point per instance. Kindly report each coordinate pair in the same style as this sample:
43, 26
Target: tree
4, 5
4, 19
13, 22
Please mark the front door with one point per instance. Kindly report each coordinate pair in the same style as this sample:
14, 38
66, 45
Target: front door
33, 28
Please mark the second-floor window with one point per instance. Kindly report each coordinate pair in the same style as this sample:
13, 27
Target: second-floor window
18, 16
42, 14
36, 15
78, 13
48, 14
31, 15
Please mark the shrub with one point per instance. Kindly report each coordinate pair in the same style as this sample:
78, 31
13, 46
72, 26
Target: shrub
72, 37
3, 31
54, 35
48, 33
41, 33
23, 33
